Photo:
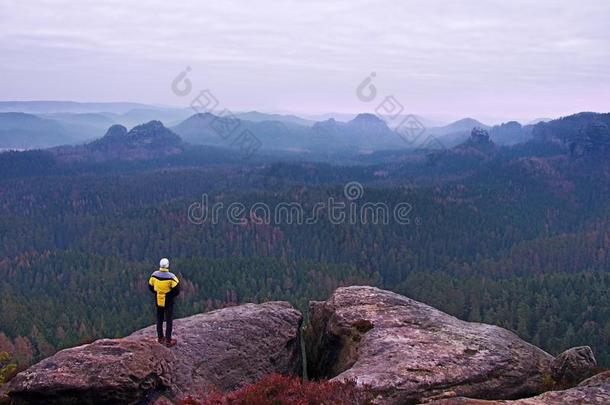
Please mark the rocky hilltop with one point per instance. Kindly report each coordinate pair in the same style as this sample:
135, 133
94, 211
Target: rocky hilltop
144, 142
402, 351
226, 349
583, 134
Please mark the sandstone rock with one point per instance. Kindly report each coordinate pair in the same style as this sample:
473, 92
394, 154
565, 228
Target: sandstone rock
594, 391
479, 135
227, 349
406, 351
574, 365
143, 142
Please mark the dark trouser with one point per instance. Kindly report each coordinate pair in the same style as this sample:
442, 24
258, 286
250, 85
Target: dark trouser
166, 313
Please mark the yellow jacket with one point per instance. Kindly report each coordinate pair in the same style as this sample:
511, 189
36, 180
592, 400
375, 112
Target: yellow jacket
165, 284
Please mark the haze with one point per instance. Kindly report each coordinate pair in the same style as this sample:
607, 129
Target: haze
493, 60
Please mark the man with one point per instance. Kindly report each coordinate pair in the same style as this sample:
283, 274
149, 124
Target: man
166, 286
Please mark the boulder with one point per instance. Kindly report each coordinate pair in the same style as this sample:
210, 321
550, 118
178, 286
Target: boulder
574, 365
593, 391
223, 349
406, 351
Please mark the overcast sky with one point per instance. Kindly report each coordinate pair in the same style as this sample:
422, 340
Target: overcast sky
486, 59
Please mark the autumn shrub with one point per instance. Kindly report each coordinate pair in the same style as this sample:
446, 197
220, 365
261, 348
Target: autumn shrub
7, 368
280, 390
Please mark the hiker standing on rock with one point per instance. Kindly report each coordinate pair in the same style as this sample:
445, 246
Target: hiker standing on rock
166, 286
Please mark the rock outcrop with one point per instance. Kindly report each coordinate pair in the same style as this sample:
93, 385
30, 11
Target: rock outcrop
593, 391
225, 349
406, 351
574, 365
479, 141
401, 350
144, 142
479, 136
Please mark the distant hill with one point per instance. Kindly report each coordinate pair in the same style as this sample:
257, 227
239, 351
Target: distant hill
364, 132
27, 131
256, 116
144, 142
585, 133
83, 122
468, 155
510, 133
456, 132
465, 124
209, 129
426, 121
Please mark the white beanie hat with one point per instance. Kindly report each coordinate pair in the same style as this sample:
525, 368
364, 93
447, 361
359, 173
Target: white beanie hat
164, 263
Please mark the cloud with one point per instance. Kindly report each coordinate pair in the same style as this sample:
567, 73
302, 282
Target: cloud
436, 55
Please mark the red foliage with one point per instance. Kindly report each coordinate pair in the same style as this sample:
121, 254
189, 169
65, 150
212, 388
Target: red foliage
280, 390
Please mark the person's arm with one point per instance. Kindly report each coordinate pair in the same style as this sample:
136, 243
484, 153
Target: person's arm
151, 284
175, 291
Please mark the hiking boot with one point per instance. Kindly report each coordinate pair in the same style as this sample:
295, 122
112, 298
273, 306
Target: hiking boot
170, 343
161, 340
